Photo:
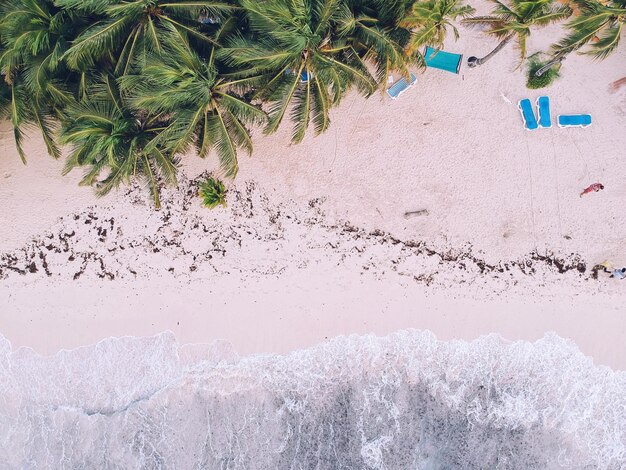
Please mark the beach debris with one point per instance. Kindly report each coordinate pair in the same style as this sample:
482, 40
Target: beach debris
503, 96
609, 268
617, 84
594, 188
411, 214
180, 241
605, 266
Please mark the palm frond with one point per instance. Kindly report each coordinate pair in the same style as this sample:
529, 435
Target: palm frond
482, 21
608, 42
245, 112
283, 94
321, 107
218, 126
301, 111
96, 41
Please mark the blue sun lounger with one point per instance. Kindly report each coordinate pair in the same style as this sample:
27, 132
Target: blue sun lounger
574, 120
442, 60
305, 76
400, 86
543, 104
528, 115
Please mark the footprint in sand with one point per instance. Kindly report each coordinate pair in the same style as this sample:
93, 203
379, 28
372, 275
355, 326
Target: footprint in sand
508, 230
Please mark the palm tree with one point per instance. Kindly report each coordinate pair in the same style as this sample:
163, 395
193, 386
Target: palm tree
128, 29
302, 57
201, 105
430, 20
109, 138
598, 25
35, 34
514, 21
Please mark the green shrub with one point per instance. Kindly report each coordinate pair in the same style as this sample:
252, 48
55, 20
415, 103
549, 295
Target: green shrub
212, 192
549, 76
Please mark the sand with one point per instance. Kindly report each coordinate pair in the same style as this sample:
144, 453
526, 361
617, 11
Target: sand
496, 197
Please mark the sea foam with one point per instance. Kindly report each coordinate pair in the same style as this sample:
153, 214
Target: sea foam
360, 402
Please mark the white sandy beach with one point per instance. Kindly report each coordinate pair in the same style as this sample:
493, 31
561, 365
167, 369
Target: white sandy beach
283, 271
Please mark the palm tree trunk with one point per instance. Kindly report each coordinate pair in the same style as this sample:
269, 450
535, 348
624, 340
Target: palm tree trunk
474, 61
549, 65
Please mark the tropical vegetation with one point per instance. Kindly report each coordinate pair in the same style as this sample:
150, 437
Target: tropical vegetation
597, 25
202, 106
430, 20
303, 56
536, 81
514, 22
595, 30
212, 192
107, 135
126, 88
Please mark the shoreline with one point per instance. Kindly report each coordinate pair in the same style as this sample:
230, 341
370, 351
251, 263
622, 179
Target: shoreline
277, 277
258, 323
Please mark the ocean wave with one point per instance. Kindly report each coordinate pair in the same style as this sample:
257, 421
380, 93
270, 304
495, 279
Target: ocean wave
406, 400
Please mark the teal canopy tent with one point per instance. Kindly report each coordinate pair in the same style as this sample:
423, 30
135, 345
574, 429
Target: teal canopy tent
442, 60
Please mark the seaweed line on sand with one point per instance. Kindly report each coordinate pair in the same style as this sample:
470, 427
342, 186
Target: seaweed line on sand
252, 237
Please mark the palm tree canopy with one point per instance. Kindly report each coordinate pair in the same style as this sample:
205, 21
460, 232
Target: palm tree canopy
430, 20
35, 34
33, 29
201, 104
114, 143
304, 55
128, 28
515, 19
135, 83
598, 25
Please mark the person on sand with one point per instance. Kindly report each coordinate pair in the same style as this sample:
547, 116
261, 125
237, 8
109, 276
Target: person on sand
618, 273
606, 266
595, 187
